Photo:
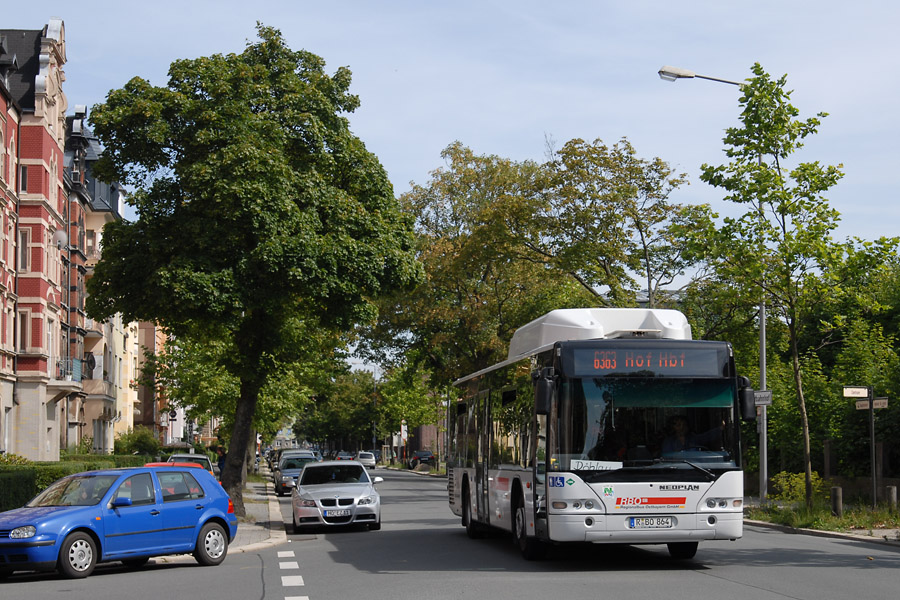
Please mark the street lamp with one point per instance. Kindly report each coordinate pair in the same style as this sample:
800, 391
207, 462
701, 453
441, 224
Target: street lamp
668, 73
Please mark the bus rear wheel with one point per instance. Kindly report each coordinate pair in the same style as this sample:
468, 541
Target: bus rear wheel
473, 529
682, 550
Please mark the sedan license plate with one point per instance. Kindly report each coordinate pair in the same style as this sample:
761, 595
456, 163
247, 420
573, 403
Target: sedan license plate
650, 522
344, 512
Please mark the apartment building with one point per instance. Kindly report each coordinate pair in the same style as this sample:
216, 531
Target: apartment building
10, 116
63, 377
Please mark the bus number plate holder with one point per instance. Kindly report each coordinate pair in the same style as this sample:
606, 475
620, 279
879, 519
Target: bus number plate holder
650, 522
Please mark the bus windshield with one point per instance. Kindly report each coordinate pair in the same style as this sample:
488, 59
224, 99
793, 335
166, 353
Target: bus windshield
637, 424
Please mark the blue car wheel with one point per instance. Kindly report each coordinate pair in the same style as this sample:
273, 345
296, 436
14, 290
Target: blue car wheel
212, 545
78, 555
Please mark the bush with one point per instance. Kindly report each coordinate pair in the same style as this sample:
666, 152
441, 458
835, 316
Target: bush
140, 440
16, 487
13, 459
791, 487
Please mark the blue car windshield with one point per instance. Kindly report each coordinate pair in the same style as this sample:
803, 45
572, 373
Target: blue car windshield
79, 490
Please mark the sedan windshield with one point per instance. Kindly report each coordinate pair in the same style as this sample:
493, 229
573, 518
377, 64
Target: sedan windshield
336, 474
82, 490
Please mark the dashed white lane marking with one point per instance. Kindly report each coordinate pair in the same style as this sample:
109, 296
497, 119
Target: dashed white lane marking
286, 554
296, 598
288, 565
292, 580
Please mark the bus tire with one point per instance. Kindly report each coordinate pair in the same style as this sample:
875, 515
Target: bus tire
682, 550
473, 530
531, 548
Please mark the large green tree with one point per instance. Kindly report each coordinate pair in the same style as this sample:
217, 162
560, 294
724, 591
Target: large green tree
781, 248
477, 288
259, 213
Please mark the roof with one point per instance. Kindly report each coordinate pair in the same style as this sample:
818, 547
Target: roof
597, 323
567, 324
25, 44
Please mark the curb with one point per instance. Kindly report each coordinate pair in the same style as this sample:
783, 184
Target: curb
277, 533
822, 533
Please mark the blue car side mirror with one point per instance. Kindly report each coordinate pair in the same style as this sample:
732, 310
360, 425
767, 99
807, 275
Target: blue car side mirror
120, 501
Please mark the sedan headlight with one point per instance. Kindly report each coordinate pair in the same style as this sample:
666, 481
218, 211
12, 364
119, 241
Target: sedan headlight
308, 503
367, 500
22, 532
287, 479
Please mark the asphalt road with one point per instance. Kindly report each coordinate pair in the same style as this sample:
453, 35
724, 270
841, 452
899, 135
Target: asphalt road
422, 553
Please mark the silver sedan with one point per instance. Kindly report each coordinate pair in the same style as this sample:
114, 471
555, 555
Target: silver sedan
336, 493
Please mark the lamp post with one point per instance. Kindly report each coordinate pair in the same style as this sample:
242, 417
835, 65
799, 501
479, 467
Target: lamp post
669, 73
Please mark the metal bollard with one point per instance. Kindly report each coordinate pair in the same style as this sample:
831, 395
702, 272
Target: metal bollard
837, 502
892, 497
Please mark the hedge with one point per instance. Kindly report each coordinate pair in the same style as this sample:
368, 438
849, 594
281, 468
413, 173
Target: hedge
21, 483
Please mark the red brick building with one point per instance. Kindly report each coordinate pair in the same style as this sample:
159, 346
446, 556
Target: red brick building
40, 341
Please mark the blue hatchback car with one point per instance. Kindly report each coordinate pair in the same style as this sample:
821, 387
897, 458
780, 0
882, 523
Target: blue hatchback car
123, 515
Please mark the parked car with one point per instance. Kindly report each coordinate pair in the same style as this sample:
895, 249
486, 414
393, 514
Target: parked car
367, 459
126, 515
285, 475
421, 457
200, 459
336, 493
342, 455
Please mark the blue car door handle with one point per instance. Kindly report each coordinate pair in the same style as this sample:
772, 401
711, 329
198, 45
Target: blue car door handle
199, 507
154, 512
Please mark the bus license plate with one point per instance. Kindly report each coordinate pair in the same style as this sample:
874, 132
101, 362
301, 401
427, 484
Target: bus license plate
650, 522
338, 513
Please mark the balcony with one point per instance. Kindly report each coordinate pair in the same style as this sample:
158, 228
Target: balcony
68, 369
65, 378
99, 387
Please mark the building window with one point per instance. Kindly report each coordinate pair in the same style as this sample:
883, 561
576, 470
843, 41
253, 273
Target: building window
24, 329
23, 179
2, 157
12, 164
24, 241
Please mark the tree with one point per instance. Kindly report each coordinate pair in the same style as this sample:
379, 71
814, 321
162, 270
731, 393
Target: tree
782, 248
477, 289
260, 215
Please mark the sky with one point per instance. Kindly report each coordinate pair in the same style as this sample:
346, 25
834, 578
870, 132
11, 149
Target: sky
504, 77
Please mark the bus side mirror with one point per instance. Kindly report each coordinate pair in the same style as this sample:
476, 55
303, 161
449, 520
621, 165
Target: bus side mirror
543, 390
747, 399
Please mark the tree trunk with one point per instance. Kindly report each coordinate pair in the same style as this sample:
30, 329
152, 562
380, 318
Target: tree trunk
804, 420
232, 476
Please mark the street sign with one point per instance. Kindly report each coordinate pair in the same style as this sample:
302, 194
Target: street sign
763, 397
876, 403
855, 392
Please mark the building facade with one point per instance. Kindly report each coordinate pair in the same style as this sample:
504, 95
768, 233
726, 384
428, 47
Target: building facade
63, 377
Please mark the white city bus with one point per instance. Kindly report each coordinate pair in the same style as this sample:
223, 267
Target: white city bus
573, 437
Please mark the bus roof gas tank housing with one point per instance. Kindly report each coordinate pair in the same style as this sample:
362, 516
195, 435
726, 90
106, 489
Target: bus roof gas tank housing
597, 323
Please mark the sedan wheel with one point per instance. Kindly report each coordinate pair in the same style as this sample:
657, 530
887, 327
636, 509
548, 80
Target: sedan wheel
212, 545
78, 555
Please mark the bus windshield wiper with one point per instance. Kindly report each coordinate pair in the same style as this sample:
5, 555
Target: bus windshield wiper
706, 472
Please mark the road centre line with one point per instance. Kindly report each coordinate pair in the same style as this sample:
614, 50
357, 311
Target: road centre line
286, 554
289, 565
292, 580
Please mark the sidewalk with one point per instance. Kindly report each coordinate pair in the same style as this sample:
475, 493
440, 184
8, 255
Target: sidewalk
263, 525
890, 537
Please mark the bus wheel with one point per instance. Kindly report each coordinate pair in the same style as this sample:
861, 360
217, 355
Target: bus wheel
473, 530
531, 548
682, 550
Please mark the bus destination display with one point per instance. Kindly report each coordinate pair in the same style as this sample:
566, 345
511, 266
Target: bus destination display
650, 362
